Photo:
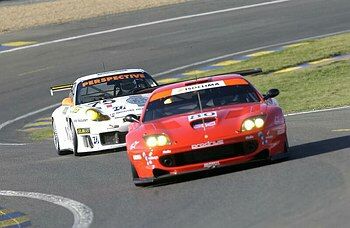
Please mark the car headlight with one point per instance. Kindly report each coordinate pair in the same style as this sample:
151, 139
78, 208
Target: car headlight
157, 140
253, 122
96, 115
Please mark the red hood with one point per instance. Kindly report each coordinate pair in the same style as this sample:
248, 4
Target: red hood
221, 123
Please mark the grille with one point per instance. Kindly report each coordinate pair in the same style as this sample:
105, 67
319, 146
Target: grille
114, 137
209, 154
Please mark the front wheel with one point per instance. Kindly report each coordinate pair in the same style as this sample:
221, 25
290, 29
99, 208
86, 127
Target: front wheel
75, 140
56, 140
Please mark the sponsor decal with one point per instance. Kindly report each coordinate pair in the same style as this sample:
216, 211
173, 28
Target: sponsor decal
118, 108
138, 100
137, 157
75, 109
133, 145
201, 116
97, 81
249, 137
197, 87
211, 164
80, 120
64, 112
95, 140
209, 124
82, 131
149, 158
166, 151
207, 144
263, 138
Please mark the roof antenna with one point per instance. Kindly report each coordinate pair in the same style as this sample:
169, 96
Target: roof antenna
104, 67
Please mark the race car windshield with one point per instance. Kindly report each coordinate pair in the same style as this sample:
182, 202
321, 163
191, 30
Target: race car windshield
112, 86
208, 98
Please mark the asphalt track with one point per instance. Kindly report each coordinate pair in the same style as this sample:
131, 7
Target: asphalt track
309, 190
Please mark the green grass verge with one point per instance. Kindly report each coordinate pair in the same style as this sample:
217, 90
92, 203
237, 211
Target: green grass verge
311, 51
40, 134
311, 88
316, 87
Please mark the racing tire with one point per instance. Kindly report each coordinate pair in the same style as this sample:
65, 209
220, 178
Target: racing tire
56, 140
74, 139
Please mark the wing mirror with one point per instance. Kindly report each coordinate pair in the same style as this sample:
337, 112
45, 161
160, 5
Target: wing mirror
67, 101
271, 93
132, 118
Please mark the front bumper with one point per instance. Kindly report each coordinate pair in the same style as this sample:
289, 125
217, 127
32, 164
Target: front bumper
151, 165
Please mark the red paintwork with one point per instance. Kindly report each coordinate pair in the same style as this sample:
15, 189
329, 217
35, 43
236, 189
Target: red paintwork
227, 127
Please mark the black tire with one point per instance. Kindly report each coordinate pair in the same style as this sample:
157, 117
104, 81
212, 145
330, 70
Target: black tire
56, 141
75, 140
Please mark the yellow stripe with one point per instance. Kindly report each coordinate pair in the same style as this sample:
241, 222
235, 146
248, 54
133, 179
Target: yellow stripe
38, 124
13, 221
321, 61
227, 63
18, 43
167, 80
341, 130
260, 53
295, 45
44, 119
34, 129
287, 70
194, 72
5, 211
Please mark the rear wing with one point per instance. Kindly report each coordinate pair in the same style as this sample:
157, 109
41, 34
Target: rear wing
59, 88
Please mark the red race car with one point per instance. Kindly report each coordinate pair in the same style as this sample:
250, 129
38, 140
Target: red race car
202, 124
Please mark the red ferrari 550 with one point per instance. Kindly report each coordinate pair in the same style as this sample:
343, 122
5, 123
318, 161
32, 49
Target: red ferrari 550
203, 124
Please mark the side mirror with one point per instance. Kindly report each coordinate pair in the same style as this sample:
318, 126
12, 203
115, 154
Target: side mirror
131, 118
67, 101
271, 93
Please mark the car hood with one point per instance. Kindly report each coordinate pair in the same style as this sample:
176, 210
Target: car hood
219, 123
119, 106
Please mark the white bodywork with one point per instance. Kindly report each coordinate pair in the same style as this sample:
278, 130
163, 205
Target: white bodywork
88, 132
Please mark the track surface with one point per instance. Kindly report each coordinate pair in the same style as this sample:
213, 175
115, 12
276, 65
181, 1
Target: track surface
309, 190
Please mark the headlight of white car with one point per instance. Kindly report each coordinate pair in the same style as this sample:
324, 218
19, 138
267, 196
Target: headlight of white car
95, 115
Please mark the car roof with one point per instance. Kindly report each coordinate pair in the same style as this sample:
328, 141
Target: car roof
109, 73
198, 81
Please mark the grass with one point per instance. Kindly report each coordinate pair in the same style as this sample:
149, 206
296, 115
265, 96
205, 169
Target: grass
38, 134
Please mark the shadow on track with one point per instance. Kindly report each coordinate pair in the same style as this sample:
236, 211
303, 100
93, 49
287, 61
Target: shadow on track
295, 152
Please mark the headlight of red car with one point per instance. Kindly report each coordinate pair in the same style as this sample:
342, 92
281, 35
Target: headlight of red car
157, 140
253, 122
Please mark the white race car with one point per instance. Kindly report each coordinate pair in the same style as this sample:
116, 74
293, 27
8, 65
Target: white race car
92, 117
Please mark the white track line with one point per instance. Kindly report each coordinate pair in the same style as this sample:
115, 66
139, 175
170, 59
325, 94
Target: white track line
145, 24
315, 111
27, 115
83, 215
